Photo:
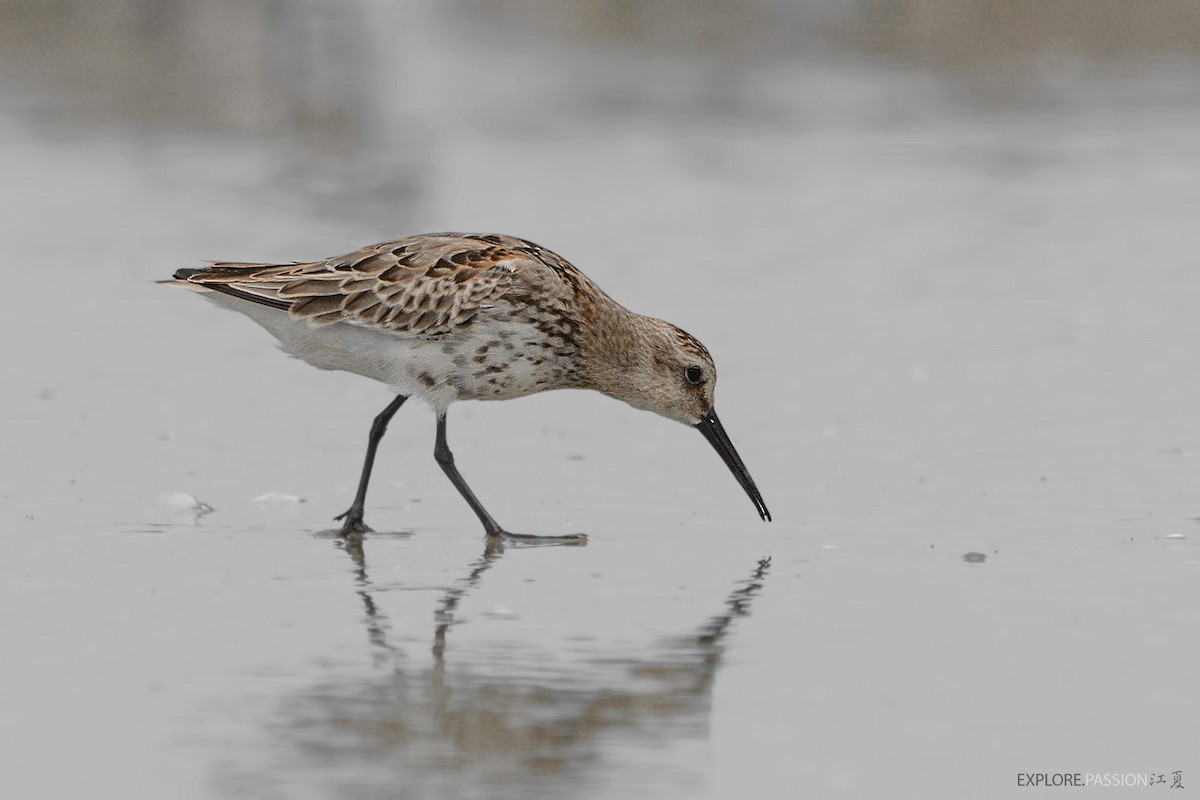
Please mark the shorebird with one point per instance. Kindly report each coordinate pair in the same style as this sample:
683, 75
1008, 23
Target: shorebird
451, 316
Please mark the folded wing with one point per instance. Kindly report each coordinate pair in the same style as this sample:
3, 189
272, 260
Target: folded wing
423, 285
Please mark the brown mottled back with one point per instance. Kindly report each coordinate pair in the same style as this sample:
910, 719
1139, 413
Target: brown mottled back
426, 284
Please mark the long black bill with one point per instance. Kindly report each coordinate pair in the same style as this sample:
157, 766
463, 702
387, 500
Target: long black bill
710, 426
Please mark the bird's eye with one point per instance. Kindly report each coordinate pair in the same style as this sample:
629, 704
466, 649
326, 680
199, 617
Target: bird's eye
694, 375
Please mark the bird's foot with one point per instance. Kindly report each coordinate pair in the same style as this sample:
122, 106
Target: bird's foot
353, 521
529, 540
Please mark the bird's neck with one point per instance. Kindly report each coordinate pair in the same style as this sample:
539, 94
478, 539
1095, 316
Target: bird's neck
614, 354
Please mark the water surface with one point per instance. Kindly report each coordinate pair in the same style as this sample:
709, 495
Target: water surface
947, 321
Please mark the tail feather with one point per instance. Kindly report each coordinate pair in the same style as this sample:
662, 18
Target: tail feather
264, 300
231, 271
220, 276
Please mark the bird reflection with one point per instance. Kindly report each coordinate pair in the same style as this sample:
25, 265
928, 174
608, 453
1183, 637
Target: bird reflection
427, 724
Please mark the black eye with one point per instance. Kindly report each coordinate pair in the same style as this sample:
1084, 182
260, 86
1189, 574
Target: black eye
694, 375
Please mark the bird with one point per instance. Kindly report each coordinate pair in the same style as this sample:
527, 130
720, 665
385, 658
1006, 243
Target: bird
464, 316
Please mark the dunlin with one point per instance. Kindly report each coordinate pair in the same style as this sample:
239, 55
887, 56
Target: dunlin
449, 316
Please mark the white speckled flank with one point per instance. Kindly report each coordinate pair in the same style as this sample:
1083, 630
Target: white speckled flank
452, 316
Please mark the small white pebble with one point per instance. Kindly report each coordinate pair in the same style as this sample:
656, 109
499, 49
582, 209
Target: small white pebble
183, 506
182, 501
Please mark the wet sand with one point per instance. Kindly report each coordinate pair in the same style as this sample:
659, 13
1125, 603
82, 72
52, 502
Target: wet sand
942, 328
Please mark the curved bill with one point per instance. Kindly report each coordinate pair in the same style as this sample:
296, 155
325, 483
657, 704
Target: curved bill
710, 426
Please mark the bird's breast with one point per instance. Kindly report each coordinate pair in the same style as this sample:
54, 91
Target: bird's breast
508, 353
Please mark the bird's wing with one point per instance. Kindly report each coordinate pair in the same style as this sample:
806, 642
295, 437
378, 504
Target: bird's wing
425, 284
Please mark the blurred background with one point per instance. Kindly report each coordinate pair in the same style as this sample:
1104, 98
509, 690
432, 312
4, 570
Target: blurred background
942, 251
392, 108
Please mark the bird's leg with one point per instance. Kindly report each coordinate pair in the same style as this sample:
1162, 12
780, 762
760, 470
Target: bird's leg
353, 516
445, 459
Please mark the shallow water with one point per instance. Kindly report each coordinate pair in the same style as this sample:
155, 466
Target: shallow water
946, 323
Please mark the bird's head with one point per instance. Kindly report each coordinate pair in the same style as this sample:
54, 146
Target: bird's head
668, 371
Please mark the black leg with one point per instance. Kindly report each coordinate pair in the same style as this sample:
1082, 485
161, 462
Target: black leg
441, 452
353, 516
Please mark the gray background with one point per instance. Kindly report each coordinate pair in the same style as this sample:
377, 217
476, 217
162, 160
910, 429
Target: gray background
943, 254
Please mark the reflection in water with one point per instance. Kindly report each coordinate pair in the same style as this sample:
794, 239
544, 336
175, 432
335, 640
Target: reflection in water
443, 729
377, 623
